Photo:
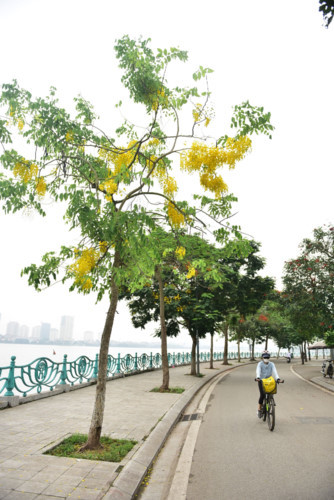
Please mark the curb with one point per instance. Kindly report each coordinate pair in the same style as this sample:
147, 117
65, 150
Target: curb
129, 480
319, 384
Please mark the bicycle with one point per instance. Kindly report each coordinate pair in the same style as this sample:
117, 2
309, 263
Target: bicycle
268, 406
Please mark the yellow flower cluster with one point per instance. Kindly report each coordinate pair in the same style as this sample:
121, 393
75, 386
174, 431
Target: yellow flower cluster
69, 136
201, 155
213, 183
169, 186
207, 159
154, 142
41, 186
103, 245
115, 162
197, 112
175, 216
109, 186
180, 252
191, 272
198, 115
85, 262
20, 124
180, 308
25, 170
161, 98
28, 171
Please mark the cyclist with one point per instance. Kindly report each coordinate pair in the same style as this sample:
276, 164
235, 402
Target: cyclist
265, 369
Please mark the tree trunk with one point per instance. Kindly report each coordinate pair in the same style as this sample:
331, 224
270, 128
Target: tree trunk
211, 351
225, 330
301, 353
164, 354
93, 441
193, 356
253, 349
239, 358
305, 351
266, 344
278, 352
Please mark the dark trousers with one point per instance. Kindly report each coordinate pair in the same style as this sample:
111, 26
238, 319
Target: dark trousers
262, 393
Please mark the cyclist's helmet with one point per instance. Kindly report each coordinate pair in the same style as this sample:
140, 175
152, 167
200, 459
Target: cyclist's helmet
266, 355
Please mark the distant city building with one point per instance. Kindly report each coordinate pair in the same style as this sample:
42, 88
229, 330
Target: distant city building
24, 332
12, 330
88, 336
35, 332
45, 332
66, 328
54, 334
98, 336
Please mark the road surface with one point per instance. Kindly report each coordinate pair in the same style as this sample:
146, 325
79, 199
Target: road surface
236, 456
227, 453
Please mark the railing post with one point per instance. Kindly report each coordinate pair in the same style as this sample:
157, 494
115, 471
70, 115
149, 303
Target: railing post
96, 367
63, 376
136, 362
10, 382
118, 368
173, 358
151, 360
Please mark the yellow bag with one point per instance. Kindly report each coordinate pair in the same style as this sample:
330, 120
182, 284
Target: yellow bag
269, 385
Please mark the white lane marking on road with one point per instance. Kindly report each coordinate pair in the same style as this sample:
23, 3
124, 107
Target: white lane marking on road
178, 489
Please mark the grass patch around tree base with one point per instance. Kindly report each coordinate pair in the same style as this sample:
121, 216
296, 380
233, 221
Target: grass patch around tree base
113, 450
171, 390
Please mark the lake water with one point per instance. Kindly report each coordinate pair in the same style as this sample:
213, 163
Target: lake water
26, 353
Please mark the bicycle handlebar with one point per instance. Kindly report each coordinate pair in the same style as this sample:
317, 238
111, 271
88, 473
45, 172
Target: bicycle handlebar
279, 381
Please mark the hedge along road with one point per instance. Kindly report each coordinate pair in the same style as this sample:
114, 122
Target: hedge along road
236, 456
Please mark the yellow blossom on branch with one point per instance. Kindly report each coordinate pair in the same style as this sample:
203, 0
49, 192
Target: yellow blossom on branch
41, 186
20, 124
103, 246
180, 252
191, 272
175, 217
25, 170
69, 136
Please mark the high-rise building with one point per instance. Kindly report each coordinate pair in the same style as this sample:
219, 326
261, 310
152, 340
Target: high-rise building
12, 330
24, 332
35, 332
66, 328
54, 334
45, 332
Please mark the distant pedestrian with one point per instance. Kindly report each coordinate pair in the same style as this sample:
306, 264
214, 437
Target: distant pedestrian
264, 369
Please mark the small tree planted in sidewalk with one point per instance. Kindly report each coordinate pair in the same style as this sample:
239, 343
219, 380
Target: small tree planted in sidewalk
106, 183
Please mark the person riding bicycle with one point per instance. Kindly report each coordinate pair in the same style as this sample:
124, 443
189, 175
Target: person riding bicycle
265, 369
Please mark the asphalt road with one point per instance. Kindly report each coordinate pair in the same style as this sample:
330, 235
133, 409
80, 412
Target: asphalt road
237, 457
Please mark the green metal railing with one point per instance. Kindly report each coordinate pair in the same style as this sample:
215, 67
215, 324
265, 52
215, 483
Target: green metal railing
46, 374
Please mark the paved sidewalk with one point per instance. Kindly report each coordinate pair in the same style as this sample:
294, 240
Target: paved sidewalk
311, 371
131, 412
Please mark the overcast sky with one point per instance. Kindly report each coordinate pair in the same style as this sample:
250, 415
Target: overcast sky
274, 54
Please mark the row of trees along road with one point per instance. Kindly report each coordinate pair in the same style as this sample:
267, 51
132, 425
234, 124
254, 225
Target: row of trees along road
308, 295
119, 190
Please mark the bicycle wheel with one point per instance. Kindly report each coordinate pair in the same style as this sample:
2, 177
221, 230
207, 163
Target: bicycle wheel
271, 413
264, 411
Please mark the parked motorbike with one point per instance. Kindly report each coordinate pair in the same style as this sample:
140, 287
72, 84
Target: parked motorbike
327, 369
